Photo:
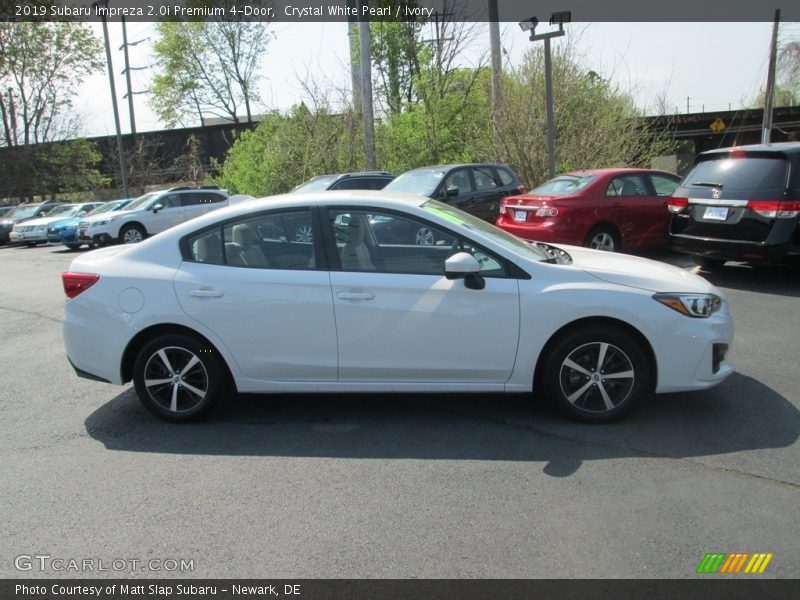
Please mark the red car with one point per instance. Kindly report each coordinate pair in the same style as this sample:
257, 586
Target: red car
606, 209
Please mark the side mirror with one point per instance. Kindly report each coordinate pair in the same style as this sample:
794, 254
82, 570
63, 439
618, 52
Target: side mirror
463, 265
157, 207
452, 191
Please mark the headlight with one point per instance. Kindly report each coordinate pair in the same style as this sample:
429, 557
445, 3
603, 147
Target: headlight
103, 222
691, 305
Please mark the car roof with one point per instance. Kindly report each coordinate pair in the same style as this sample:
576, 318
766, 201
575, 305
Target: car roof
788, 148
456, 165
617, 170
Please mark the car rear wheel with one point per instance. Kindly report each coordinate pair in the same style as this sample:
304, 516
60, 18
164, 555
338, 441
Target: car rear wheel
424, 237
596, 374
73, 246
179, 379
603, 238
708, 264
132, 234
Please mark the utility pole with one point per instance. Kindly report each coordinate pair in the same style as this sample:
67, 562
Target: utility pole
355, 63
497, 66
366, 89
769, 96
120, 148
13, 111
128, 77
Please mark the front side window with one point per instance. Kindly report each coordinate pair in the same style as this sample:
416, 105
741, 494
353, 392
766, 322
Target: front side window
270, 241
387, 242
458, 180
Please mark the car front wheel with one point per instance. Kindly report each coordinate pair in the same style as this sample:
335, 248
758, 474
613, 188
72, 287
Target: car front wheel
131, 234
596, 374
178, 378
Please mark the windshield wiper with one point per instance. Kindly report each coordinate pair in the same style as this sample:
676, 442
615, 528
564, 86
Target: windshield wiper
707, 184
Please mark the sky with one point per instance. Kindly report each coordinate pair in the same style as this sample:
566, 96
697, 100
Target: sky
715, 65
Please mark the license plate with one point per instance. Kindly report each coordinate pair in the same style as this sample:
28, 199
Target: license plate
520, 216
716, 213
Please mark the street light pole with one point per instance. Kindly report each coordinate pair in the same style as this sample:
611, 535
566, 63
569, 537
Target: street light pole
530, 25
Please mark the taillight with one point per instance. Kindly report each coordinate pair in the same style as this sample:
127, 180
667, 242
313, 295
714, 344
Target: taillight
547, 211
76, 283
522, 189
676, 205
775, 209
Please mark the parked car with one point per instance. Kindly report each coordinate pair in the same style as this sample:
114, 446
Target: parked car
604, 209
149, 214
65, 231
36, 231
739, 203
231, 297
22, 213
362, 180
475, 188
5, 209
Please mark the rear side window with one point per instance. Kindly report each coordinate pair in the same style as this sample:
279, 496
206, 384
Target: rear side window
506, 178
663, 185
746, 173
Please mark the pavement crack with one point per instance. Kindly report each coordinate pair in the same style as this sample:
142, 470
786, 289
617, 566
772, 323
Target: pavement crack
30, 313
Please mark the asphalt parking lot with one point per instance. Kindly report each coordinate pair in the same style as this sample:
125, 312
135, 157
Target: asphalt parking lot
387, 486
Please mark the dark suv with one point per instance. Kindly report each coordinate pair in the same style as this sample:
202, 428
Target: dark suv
739, 203
364, 180
474, 188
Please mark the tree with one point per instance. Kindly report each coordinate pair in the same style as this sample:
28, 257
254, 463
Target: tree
597, 124
41, 66
207, 68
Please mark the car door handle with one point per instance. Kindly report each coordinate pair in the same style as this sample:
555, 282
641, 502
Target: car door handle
206, 293
355, 295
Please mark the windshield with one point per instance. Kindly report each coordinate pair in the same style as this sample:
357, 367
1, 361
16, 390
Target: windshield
416, 182
23, 211
317, 184
63, 211
497, 235
141, 201
108, 206
563, 185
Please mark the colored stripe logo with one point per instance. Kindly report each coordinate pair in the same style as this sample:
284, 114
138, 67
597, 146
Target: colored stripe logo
733, 563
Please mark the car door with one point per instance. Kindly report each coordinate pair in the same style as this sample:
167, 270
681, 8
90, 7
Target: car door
170, 214
258, 289
399, 319
488, 193
457, 189
634, 209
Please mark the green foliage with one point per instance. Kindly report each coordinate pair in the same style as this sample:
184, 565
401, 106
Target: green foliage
597, 124
70, 166
284, 151
207, 68
41, 67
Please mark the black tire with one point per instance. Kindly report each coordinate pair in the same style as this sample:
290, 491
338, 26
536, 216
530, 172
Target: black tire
132, 234
73, 246
178, 400
580, 385
709, 264
31, 244
603, 238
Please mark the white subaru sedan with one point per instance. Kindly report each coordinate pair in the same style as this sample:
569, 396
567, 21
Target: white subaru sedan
385, 292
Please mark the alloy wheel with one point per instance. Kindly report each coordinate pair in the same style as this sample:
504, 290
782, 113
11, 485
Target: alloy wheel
597, 377
176, 379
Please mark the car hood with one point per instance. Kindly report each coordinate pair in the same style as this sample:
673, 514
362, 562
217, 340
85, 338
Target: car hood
637, 272
108, 215
43, 221
69, 222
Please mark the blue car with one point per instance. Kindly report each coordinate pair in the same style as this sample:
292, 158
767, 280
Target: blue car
66, 231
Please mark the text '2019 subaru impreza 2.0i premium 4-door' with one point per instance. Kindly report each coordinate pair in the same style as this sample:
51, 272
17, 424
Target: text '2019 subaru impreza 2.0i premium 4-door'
233, 297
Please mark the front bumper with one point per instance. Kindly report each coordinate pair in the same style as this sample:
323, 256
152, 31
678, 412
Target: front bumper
63, 237
692, 354
27, 236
